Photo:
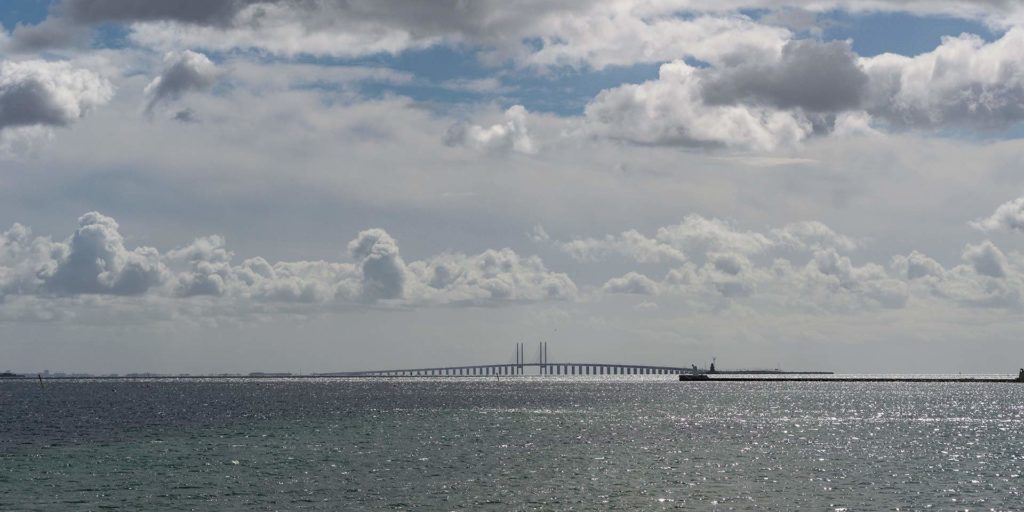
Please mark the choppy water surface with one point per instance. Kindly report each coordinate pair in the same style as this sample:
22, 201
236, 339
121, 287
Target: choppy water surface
625, 443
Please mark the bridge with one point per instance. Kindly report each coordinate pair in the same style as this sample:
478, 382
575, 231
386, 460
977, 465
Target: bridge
520, 367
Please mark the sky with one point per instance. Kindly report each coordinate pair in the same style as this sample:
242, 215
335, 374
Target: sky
209, 186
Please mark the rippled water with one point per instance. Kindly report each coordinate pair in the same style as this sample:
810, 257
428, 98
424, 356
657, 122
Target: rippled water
581, 444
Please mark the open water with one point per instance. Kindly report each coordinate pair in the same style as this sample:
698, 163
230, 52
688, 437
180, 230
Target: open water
627, 443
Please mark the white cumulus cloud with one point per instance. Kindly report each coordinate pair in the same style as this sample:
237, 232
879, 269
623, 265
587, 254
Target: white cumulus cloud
1009, 215
672, 111
95, 262
963, 82
510, 135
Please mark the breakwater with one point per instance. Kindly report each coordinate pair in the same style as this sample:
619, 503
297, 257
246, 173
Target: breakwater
715, 378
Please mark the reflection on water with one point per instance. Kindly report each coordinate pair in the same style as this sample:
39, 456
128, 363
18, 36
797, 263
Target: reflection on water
584, 444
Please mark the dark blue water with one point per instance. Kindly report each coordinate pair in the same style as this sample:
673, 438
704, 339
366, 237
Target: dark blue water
596, 444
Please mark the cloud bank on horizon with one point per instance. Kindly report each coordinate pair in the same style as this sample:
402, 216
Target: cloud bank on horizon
801, 265
684, 160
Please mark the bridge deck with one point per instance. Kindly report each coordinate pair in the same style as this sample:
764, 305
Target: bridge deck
560, 368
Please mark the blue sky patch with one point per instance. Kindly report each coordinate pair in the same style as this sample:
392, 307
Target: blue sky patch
873, 34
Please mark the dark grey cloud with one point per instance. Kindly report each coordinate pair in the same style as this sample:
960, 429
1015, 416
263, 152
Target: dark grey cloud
455, 19
47, 93
183, 72
29, 102
384, 273
70, 21
185, 116
420, 18
187, 11
812, 75
986, 259
52, 33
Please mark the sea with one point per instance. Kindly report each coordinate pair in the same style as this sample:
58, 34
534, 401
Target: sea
529, 443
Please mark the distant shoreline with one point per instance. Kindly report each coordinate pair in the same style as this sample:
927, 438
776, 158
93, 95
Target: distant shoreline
717, 377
